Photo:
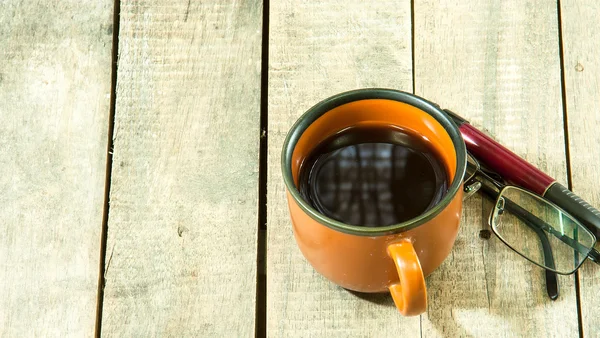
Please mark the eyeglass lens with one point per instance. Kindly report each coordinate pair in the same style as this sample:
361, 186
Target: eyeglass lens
472, 168
539, 231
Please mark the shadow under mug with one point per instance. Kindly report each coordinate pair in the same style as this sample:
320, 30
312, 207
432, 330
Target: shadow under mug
376, 259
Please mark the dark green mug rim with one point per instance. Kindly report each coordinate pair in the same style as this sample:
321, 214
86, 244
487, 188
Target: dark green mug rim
330, 103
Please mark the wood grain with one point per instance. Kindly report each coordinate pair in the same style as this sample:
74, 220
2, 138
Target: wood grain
317, 49
55, 67
497, 64
181, 250
581, 48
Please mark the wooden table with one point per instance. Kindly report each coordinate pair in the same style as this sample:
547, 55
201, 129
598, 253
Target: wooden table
142, 194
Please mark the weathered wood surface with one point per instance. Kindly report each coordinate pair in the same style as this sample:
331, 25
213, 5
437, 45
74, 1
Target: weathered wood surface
497, 64
181, 253
317, 49
181, 250
54, 106
581, 47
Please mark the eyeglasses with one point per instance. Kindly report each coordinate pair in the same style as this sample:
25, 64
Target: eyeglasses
532, 226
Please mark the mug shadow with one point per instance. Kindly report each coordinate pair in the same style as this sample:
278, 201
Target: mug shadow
383, 298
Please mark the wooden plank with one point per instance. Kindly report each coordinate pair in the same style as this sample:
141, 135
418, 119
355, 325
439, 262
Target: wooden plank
497, 64
181, 250
318, 49
55, 68
581, 47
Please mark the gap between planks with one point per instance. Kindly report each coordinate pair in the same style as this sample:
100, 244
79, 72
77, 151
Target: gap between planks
563, 88
261, 247
109, 162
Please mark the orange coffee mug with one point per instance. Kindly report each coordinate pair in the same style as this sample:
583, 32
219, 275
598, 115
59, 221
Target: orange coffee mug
377, 259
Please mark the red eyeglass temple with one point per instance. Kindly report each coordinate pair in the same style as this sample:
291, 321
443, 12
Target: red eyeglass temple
519, 172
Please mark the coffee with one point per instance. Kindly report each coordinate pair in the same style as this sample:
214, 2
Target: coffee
373, 175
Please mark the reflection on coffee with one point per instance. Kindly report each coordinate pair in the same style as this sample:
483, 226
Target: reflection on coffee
373, 175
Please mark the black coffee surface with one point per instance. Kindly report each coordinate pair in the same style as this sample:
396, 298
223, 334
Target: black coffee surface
373, 176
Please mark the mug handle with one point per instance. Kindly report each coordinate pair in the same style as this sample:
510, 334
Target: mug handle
410, 293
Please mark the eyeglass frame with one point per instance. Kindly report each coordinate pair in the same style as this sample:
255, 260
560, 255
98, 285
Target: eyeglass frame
472, 185
593, 255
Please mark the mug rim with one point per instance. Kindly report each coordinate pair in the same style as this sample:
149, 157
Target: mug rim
337, 100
